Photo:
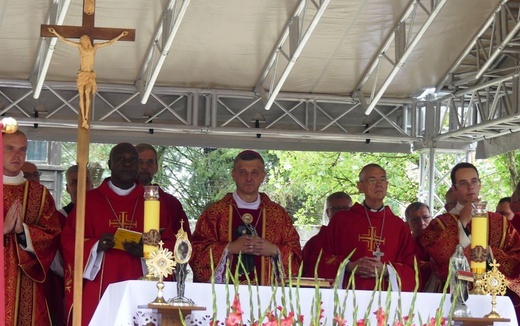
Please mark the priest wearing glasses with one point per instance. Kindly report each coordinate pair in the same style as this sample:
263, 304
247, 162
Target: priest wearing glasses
382, 241
245, 225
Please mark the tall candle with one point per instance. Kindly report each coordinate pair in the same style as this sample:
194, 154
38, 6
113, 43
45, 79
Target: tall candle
479, 234
151, 215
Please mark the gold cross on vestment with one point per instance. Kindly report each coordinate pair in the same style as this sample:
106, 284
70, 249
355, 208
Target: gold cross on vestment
123, 221
371, 239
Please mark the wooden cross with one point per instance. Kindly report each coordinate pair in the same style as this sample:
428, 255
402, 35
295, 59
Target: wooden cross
88, 32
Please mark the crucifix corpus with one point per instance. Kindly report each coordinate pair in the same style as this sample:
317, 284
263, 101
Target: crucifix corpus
87, 33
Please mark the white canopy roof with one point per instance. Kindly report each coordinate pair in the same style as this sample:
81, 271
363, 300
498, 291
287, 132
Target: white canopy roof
328, 71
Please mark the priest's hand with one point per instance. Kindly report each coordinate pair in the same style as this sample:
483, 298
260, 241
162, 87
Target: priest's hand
133, 248
367, 266
465, 214
240, 245
106, 242
262, 247
13, 218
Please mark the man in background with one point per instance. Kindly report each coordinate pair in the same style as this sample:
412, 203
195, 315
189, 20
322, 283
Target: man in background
336, 202
418, 217
30, 172
72, 187
451, 200
246, 225
504, 208
148, 167
31, 230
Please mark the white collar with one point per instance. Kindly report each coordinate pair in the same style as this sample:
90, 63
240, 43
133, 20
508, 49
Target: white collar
16, 180
243, 204
119, 191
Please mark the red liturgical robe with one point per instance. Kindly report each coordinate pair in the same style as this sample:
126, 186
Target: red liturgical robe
442, 236
25, 272
217, 227
311, 252
105, 212
349, 230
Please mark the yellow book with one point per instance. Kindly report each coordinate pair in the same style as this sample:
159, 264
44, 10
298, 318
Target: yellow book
124, 235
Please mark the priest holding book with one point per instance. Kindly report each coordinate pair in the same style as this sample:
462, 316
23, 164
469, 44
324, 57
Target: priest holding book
118, 203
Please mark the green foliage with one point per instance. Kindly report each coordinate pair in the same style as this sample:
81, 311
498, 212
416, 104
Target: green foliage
300, 181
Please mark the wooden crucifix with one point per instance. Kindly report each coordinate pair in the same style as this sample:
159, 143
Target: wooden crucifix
87, 33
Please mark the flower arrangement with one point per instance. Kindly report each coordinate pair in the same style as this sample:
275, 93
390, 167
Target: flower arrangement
286, 311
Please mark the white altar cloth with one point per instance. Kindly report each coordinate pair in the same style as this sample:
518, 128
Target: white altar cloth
119, 304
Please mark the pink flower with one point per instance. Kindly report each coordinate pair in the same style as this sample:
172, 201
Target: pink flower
340, 320
236, 307
234, 320
380, 316
360, 322
288, 321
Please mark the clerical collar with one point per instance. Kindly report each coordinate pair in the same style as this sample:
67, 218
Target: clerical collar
119, 191
374, 210
16, 180
243, 204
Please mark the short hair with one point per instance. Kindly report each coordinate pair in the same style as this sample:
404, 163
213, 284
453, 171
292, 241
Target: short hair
71, 169
338, 195
504, 200
413, 207
462, 165
369, 166
248, 155
146, 147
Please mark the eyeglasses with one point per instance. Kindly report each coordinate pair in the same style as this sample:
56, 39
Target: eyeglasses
464, 183
425, 218
373, 181
34, 175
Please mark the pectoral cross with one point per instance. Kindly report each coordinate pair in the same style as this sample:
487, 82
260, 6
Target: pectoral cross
124, 222
378, 253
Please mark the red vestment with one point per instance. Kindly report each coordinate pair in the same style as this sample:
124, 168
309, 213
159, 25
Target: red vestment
217, 226
25, 272
105, 212
349, 230
515, 221
175, 212
311, 252
442, 236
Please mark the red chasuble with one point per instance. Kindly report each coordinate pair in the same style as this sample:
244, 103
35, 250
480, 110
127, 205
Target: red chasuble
349, 230
311, 252
105, 212
218, 226
442, 236
175, 212
25, 272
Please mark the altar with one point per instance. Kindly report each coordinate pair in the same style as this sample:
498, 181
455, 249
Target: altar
125, 303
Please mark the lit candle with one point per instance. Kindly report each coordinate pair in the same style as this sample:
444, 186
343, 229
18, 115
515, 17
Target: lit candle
151, 215
479, 234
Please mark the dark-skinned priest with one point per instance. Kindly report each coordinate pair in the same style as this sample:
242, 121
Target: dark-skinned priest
381, 240
245, 224
117, 203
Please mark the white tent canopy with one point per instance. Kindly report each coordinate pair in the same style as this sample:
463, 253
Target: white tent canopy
333, 74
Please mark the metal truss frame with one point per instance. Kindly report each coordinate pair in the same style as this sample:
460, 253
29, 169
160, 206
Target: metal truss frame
160, 47
56, 16
290, 45
405, 37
